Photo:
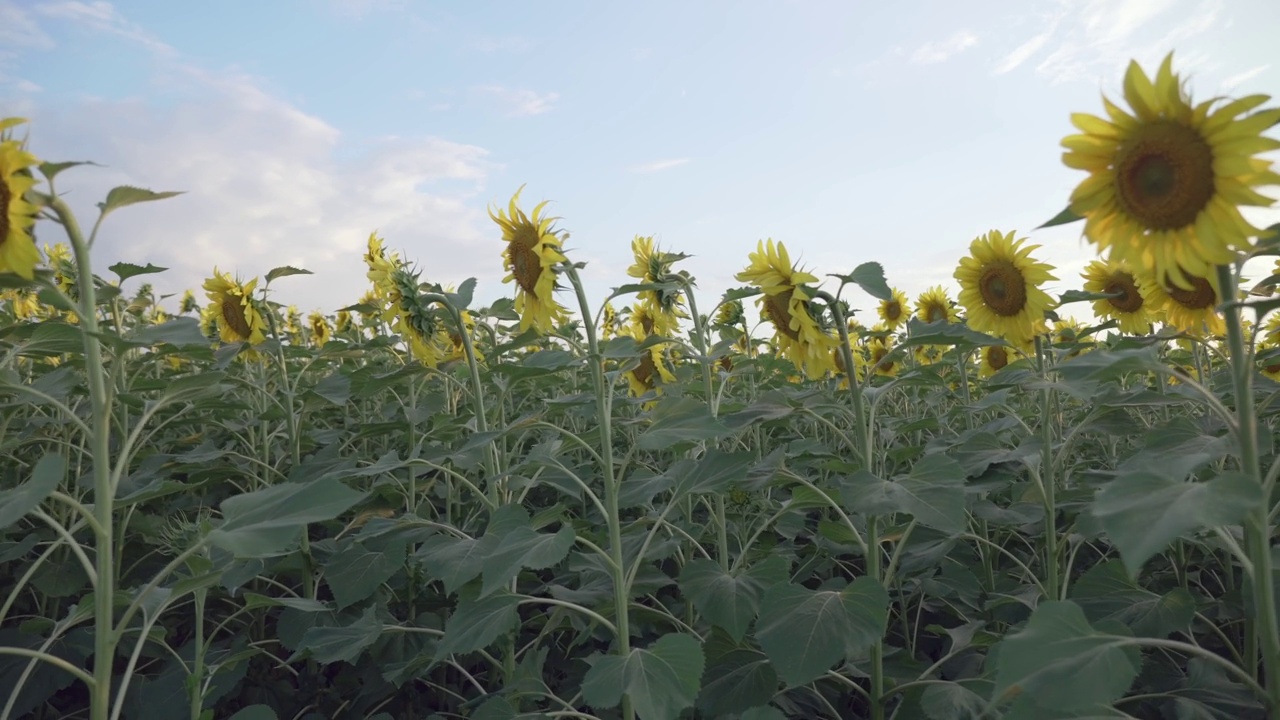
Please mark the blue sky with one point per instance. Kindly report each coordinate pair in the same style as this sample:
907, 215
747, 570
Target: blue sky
893, 132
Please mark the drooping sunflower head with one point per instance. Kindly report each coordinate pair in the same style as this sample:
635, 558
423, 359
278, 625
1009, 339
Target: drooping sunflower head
533, 249
58, 258
371, 305
318, 324
731, 314
234, 311
189, 303
381, 267
1192, 310
344, 323
18, 253
1127, 307
894, 311
1166, 181
1000, 287
934, 305
293, 323
770, 269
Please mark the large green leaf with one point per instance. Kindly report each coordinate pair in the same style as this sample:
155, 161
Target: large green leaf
524, 548
870, 277
805, 632
677, 422
932, 493
1143, 512
264, 522
1063, 662
711, 473
453, 561
255, 712
1107, 592
477, 623
128, 270
179, 332
662, 680
736, 681
333, 644
951, 701
354, 572
45, 477
730, 600
124, 195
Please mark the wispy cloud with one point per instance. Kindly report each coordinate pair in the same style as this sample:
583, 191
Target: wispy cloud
659, 165
1088, 38
518, 103
103, 17
936, 52
1237, 80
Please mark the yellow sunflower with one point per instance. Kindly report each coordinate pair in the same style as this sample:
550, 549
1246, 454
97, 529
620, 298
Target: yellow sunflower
189, 303
878, 360
994, 358
934, 305
231, 304
786, 303
894, 311
858, 351
1165, 183
422, 334
318, 324
648, 319
293, 324
533, 250
731, 314
18, 253
652, 370
1129, 308
654, 266
25, 304
344, 322
928, 354
609, 323
380, 267
1000, 287
1193, 311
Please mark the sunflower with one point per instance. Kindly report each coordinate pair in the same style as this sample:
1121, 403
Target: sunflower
1193, 311
318, 324
18, 253
786, 303
858, 351
731, 314
893, 311
189, 304
994, 358
58, 258
654, 266
878, 360
1165, 183
648, 319
457, 349
1129, 308
422, 333
231, 304
380, 268
24, 303
934, 305
293, 324
1069, 333
928, 354
533, 250
609, 323
344, 322
999, 287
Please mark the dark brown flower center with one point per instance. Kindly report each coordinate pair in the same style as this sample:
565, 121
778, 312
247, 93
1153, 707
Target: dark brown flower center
997, 357
935, 312
526, 266
1199, 297
1003, 288
645, 370
778, 308
1129, 300
892, 311
6, 197
233, 316
1164, 175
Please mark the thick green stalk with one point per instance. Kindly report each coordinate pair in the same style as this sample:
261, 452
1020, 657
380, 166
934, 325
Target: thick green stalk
104, 648
1048, 488
700, 344
1257, 527
611, 484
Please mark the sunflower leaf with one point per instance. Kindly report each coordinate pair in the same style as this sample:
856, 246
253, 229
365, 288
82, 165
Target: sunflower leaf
870, 277
461, 299
1065, 217
123, 195
51, 170
285, 271
741, 293
127, 270
1071, 296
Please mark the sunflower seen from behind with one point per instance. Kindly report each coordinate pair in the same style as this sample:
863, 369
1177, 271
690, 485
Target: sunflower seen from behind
1000, 287
653, 266
533, 250
231, 306
1167, 179
18, 253
786, 304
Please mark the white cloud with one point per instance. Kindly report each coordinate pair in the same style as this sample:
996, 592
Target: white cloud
18, 29
936, 52
1021, 53
1239, 79
103, 17
518, 103
659, 165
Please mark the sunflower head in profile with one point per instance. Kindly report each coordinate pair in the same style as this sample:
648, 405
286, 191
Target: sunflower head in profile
381, 266
652, 370
189, 304
1193, 310
533, 250
1166, 181
343, 322
934, 305
59, 259
731, 314
1128, 307
893, 312
18, 253
786, 304
609, 323
652, 265
1000, 287
234, 312
318, 324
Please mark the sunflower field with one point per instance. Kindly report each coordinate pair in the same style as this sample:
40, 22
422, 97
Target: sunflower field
654, 506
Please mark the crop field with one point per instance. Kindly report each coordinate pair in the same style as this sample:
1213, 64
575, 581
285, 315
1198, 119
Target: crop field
660, 505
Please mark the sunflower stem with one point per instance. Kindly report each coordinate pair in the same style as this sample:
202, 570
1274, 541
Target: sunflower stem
617, 565
1257, 527
104, 642
1047, 482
